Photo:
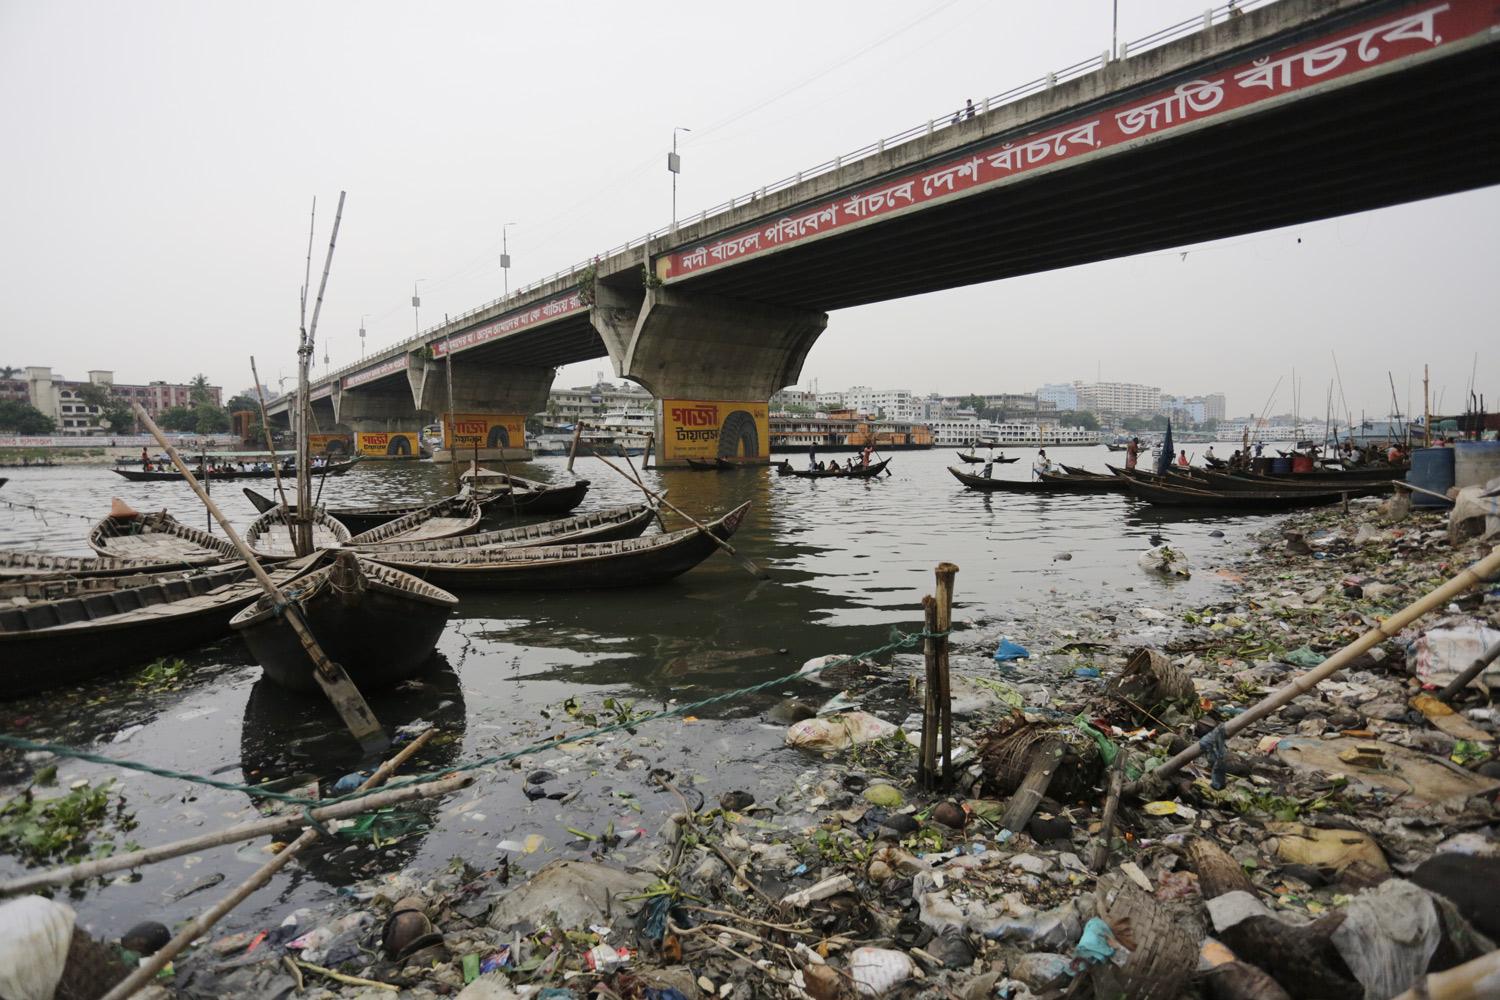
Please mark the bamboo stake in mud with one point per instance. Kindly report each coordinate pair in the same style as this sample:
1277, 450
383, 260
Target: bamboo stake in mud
230, 835
1476, 574
750, 567
927, 753
346, 699
573, 449
1111, 808
195, 928
265, 425
945, 574
650, 451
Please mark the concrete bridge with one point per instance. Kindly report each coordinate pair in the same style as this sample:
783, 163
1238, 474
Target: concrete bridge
1251, 120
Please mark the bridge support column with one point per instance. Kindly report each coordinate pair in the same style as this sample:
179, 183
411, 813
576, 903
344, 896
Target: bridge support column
380, 419
712, 363
491, 402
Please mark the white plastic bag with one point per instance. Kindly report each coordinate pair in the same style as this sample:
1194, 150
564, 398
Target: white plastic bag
877, 971
1165, 560
34, 937
1446, 650
835, 732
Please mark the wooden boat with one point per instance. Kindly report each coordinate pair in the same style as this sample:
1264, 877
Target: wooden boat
380, 624
172, 475
270, 535
445, 519
968, 457
1086, 482
54, 643
156, 538
1048, 484
24, 589
503, 494
973, 459
356, 519
1115, 447
606, 525
629, 562
18, 565
785, 469
4, 480
711, 465
1163, 494
1353, 485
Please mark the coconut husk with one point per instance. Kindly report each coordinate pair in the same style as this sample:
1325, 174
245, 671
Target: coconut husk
1217, 872
1154, 683
1007, 749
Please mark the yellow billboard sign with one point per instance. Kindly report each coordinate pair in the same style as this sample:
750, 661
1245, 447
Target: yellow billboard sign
387, 444
715, 428
329, 444
467, 431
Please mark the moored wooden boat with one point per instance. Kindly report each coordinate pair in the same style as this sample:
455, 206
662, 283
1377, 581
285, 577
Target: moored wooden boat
171, 475
447, 518
376, 622
502, 494
158, 537
711, 465
870, 472
1054, 484
52, 643
356, 519
21, 565
1086, 482
270, 535
625, 563
612, 523
1163, 493
1353, 485
969, 458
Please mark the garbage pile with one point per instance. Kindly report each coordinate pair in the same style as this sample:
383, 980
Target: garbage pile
1347, 846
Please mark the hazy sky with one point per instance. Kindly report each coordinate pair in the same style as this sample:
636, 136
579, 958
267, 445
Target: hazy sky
160, 159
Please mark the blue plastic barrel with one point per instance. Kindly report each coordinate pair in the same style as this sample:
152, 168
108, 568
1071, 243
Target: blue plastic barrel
1281, 466
1432, 469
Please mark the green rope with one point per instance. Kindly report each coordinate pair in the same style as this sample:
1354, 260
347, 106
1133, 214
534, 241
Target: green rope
899, 640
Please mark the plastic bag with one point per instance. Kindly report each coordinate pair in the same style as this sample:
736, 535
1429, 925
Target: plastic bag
1008, 651
1446, 650
34, 937
877, 971
1165, 560
835, 732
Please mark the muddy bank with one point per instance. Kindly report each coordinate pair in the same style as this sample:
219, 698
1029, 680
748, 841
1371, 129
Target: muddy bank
1338, 848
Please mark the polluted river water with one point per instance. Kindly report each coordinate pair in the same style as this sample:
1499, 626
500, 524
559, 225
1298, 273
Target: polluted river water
848, 560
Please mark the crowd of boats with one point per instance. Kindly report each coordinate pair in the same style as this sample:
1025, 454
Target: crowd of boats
375, 590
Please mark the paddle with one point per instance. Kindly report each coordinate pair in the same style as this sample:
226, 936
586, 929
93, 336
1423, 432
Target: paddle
750, 567
346, 699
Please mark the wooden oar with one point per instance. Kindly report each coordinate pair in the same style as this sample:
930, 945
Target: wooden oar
750, 567
660, 523
346, 699
265, 425
195, 928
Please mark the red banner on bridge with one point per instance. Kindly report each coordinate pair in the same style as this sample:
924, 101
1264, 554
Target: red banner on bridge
550, 310
1409, 32
396, 364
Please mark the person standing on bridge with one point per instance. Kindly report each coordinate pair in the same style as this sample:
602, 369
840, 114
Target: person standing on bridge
968, 108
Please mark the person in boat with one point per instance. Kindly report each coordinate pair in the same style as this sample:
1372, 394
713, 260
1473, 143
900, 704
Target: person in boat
1209, 458
145, 460
1260, 446
1182, 459
989, 467
1042, 463
1132, 452
812, 459
864, 457
849, 464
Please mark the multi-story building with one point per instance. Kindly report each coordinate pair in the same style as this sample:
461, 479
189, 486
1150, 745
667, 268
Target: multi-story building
794, 400
888, 404
1194, 408
1215, 407
1062, 395
65, 401
568, 405
1121, 398
1021, 403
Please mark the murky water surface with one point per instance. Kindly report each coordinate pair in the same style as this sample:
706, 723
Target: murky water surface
849, 560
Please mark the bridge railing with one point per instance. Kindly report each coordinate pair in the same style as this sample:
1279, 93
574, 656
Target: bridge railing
947, 119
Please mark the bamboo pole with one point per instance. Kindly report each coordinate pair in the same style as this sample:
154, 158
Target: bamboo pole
945, 573
1390, 627
1426, 408
927, 753
573, 450
147, 970
303, 524
452, 413
1111, 809
750, 566
346, 699
660, 521
265, 425
230, 835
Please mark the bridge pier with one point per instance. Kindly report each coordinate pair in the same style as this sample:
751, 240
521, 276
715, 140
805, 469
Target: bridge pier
491, 402
381, 419
711, 362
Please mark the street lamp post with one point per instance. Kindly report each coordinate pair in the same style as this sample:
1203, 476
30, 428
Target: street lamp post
362, 335
505, 256
674, 167
416, 304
